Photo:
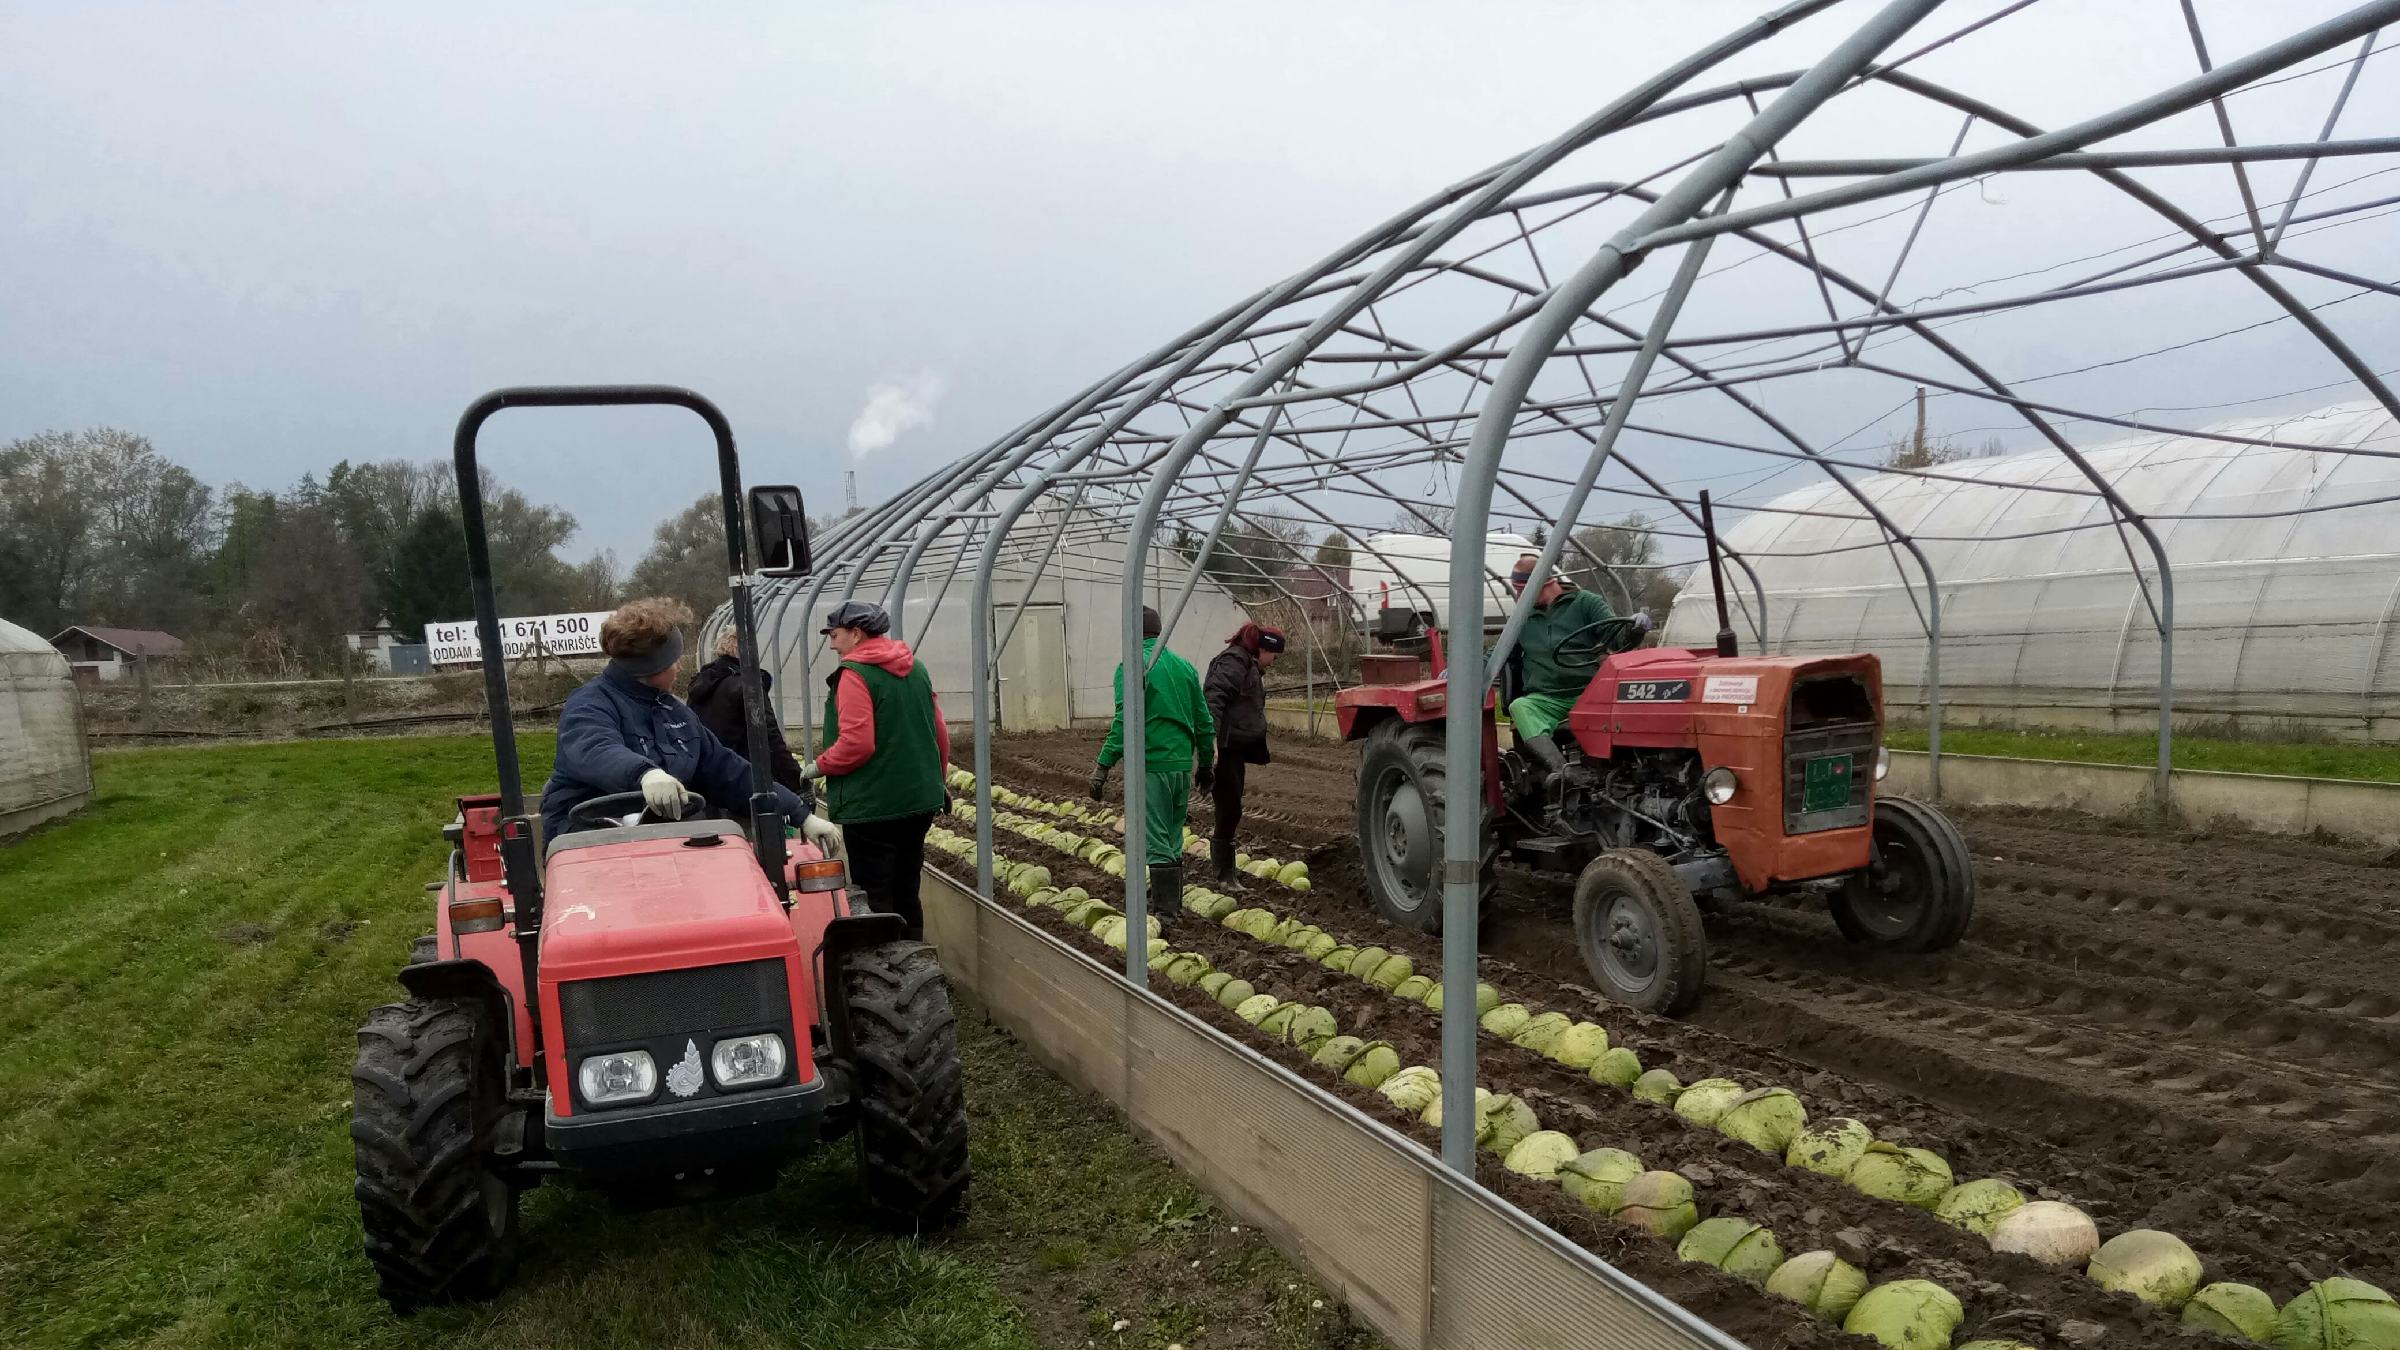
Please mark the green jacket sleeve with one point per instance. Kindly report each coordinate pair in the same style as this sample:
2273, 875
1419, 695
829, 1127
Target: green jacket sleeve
1204, 726
1113, 749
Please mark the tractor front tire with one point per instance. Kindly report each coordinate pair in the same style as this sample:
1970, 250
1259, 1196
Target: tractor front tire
912, 1105
429, 1094
1919, 894
1639, 932
1403, 802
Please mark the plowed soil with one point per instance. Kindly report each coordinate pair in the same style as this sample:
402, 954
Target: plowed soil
2199, 1033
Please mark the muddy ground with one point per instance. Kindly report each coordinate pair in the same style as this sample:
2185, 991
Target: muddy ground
2195, 1032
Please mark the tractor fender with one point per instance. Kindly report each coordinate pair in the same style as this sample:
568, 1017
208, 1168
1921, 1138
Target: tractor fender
469, 981
849, 933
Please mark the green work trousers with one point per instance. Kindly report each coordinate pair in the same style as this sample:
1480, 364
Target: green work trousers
1166, 804
1539, 714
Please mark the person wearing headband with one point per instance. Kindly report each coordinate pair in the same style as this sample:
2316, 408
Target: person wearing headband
1561, 645
1237, 698
625, 730
886, 760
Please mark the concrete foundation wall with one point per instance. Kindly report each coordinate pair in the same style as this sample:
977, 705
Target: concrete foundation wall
2366, 813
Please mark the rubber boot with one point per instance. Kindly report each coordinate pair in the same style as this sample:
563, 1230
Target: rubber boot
1220, 857
1166, 891
1552, 761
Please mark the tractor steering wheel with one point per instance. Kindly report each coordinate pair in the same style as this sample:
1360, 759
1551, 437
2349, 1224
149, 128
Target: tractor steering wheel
1601, 647
594, 813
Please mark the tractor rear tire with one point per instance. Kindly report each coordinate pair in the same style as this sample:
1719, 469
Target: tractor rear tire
1921, 895
1403, 800
912, 1104
429, 1095
1640, 932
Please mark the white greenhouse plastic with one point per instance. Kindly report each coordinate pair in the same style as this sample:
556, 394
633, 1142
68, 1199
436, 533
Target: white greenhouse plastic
2279, 619
44, 768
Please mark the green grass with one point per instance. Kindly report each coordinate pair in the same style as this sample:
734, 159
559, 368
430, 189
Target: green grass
182, 969
2304, 759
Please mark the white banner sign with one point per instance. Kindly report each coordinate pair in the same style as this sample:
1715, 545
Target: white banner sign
452, 644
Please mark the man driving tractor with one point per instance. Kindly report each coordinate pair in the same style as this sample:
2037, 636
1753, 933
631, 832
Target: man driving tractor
1564, 638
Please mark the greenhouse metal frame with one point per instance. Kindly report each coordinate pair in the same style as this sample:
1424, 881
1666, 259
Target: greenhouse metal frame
1462, 342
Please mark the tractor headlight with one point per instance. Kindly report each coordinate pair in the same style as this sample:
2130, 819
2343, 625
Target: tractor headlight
625, 1076
1883, 763
747, 1061
1719, 785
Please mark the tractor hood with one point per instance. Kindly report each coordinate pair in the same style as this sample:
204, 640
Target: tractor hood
659, 904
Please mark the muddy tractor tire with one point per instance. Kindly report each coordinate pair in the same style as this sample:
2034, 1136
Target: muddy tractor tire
429, 1096
1919, 893
1640, 932
1403, 798
912, 1105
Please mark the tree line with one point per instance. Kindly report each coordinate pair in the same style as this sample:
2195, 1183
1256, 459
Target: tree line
98, 527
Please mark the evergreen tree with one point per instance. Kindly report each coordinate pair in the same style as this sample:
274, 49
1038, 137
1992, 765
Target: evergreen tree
429, 575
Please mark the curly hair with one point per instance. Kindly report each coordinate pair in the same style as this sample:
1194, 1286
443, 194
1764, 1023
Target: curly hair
638, 626
729, 642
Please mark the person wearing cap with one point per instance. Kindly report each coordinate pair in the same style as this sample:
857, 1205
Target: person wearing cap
884, 767
1560, 647
1237, 699
625, 730
1179, 748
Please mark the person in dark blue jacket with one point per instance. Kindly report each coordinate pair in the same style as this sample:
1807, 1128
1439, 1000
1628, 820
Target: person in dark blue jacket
624, 731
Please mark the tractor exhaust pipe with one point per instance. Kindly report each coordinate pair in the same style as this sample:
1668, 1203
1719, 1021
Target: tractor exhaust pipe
1727, 645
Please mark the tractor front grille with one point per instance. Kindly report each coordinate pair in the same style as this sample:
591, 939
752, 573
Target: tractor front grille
1817, 762
622, 1008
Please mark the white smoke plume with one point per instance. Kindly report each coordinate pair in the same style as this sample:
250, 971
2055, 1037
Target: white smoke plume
896, 405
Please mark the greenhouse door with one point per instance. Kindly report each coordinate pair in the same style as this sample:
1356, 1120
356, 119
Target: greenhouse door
1033, 672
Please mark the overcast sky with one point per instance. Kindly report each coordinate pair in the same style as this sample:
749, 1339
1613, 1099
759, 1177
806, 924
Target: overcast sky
273, 236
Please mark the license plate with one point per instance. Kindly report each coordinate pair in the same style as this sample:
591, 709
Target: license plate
1825, 783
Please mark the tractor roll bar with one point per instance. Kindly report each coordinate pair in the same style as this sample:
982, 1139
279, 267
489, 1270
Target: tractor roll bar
517, 855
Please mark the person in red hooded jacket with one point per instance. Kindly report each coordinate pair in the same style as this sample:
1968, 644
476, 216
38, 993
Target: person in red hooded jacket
885, 766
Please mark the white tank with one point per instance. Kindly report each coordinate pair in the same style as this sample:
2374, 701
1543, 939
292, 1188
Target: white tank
1413, 572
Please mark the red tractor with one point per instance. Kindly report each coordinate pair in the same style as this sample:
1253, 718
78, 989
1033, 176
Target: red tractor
1692, 773
667, 1011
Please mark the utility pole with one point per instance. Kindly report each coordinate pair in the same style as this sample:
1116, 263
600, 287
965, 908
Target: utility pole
1917, 446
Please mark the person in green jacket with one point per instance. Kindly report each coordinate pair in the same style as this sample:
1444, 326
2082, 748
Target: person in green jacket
1179, 747
1563, 641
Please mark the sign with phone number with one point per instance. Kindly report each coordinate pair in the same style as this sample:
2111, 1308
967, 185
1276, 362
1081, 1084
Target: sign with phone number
453, 644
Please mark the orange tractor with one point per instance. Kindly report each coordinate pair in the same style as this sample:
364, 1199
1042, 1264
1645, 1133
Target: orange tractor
1691, 774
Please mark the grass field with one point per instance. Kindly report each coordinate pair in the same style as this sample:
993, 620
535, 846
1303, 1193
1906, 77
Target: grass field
2375, 763
182, 968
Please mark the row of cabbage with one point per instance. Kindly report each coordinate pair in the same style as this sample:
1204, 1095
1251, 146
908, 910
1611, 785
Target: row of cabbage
2152, 1265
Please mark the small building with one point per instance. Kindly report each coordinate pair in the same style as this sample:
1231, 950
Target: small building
375, 644
105, 654
45, 769
1320, 591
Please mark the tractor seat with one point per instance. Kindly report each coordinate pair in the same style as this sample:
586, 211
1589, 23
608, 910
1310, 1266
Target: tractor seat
625, 834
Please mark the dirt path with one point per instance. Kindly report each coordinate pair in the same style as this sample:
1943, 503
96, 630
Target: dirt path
2196, 1032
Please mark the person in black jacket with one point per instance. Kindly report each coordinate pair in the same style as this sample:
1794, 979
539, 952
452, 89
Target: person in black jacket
716, 696
1236, 690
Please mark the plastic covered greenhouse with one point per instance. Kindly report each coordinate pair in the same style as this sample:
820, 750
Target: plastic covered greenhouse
2284, 605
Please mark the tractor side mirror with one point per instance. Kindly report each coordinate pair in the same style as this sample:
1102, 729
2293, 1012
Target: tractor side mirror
779, 531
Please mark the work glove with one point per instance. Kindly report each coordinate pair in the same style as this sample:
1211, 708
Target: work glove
662, 794
1100, 783
1641, 621
1205, 776
826, 835
810, 773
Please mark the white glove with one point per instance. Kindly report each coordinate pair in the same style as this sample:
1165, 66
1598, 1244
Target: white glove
662, 794
826, 835
809, 772
1641, 620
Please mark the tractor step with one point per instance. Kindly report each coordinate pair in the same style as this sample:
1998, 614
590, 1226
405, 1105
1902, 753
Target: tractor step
1551, 852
